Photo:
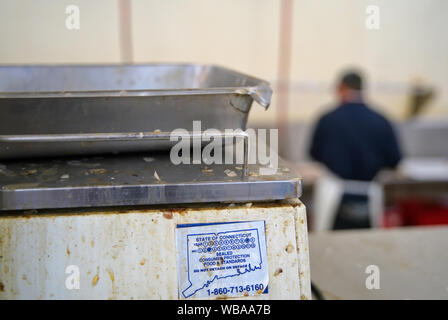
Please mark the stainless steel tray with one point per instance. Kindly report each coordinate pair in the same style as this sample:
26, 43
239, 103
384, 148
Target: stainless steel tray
135, 179
38, 104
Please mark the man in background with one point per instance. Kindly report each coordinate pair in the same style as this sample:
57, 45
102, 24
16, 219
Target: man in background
354, 142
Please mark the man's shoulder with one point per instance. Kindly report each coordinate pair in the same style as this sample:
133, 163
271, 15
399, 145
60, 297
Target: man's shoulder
341, 114
329, 114
369, 110
375, 113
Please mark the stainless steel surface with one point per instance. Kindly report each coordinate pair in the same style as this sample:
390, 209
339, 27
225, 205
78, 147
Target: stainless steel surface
135, 179
72, 100
132, 136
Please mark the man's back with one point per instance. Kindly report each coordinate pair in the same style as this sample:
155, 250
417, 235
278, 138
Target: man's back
355, 142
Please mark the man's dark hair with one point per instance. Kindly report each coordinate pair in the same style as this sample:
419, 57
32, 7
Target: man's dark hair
352, 79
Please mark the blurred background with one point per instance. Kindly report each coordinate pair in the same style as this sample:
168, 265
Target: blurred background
299, 46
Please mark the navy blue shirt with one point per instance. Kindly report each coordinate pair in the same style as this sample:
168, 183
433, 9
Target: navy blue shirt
355, 142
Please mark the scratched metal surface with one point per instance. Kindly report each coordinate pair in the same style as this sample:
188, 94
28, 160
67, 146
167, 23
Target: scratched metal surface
131, 253
135, 179
108, 99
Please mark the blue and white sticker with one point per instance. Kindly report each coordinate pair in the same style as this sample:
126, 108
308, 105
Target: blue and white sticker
222, 260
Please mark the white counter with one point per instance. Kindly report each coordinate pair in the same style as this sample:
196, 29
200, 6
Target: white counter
412, 262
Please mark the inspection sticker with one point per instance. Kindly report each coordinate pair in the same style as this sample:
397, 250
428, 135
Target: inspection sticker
218, 260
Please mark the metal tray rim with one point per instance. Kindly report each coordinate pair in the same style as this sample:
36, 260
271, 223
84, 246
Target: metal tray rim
261, 92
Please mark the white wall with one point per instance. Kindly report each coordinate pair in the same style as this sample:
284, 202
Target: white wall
244, 35
34, 31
